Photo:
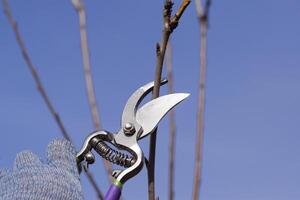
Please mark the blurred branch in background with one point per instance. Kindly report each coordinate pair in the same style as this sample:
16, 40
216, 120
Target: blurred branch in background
202, 13
79, 7
172, 127
38, 82
92, 181
170, 24
35, 75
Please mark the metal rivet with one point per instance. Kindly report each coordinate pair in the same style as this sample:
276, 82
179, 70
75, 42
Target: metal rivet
129, 129
90, 158
128, 126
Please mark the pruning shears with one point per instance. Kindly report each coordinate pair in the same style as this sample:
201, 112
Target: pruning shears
122, 148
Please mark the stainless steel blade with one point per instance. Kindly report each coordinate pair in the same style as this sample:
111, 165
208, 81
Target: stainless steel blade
150, 114
135, 99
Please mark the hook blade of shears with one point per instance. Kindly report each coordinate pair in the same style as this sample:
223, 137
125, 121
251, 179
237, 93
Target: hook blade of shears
135, 99
150, 114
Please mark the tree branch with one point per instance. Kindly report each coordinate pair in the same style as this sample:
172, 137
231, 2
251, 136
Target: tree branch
25, 54
169, 25
94, 185
203, 22
32, 69
79, 7
172, 127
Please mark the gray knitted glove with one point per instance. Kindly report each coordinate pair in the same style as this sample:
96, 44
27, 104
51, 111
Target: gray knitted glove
32, 179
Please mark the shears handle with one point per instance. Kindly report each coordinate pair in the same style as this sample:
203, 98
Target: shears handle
113, 193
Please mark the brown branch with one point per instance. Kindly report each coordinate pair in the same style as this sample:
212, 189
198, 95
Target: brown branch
94, 184
172, 127
203, 22
78, 4
79, 7
35, 75
177, 16
25, 54
169, 25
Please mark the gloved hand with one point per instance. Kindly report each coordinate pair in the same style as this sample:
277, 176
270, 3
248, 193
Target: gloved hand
32, 179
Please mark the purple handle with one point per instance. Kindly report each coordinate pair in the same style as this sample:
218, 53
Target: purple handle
113, 193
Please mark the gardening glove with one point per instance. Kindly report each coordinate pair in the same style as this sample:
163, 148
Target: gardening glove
32, 179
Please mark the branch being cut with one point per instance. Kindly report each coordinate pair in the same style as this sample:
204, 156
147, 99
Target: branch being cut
172, 127
170, 23
79, 7
25, 54
203, 22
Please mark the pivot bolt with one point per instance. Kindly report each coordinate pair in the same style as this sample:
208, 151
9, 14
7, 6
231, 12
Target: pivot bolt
129, 129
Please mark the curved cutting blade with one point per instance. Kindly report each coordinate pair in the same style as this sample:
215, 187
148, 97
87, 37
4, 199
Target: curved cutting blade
135, 99
150, 114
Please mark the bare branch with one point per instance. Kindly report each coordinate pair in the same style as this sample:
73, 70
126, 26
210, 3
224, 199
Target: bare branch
172, 127
94, 184
38, 82
177, 16
203, 22
32, 69
79, 7
202, 13
199, 8
169, 25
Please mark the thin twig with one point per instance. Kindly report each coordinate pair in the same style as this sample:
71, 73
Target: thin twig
35, 75
79, 7
169, 25
203, 22
94, 184
25, 54
172, 127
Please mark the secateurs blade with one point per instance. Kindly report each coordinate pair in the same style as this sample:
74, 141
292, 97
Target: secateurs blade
122, 147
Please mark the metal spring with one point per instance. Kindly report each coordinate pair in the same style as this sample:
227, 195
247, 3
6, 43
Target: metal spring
113, 155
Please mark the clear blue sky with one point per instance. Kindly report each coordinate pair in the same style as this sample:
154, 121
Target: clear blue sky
252, 139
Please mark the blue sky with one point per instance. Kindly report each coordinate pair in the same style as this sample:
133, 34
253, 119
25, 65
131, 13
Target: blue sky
251, 144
